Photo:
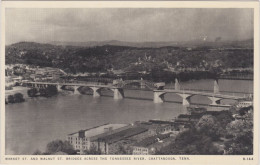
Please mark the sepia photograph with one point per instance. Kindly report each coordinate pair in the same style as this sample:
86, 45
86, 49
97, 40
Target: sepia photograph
129, 81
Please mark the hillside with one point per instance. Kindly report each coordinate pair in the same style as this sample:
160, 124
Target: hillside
104, 57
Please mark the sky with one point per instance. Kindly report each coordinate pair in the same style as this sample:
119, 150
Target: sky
128, 24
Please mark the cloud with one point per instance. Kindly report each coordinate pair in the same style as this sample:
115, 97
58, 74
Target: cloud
46, 25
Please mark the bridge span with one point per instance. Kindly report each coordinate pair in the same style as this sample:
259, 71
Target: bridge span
118, 92
186, 95
214, 96
157, 88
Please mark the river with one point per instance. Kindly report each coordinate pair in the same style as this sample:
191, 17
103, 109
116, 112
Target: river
34, 123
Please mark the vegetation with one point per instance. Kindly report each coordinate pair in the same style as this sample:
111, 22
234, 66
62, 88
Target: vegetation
242, 141
123, 150
210, 132
92, 151
190, 142
244, 110
209, 126
37, 152
32, 92
45, 92
16, 98
60, 146
75, 59
48, 91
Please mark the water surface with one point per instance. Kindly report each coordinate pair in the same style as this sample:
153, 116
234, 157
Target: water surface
34, 123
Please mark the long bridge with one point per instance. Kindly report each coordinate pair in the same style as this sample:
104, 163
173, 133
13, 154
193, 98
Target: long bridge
158, 90
116, 86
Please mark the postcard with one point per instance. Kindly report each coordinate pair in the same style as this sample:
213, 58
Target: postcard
134, 82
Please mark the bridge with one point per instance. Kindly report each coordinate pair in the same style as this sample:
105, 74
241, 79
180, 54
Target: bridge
118, 92
214, 96
117, 86
143, 84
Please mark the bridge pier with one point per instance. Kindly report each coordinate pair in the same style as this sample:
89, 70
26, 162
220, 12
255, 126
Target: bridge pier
76, 90
142, 84
96, 91
59, 87
216, 87
118, 93
158, 96
177, 85
215, 100
185, 98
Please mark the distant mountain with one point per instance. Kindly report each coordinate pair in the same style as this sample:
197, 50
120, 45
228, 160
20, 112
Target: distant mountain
116, 43
195, 43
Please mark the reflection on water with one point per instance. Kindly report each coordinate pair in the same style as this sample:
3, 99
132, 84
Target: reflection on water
32, 124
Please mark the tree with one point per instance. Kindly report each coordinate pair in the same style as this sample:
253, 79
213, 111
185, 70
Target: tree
48, 91
239, 127
190, 142
59, 145
242, 141
244, 110
11, 99
121, 150
32, 92
240, 145
43, 92
18, 98
93, 150
224, 118
37, 152
208, 125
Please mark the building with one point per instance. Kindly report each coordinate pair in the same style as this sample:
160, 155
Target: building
83, 139
48, 74
109, 144
157, 126
244, 104
12, 80
150, 145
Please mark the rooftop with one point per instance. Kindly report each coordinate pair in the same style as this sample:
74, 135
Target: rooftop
151, 140
90, 132
123, 134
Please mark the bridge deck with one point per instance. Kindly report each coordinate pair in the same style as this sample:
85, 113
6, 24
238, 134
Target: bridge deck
200, 93
163, 91
71, 84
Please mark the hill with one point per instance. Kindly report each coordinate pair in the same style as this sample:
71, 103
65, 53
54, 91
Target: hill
74, 58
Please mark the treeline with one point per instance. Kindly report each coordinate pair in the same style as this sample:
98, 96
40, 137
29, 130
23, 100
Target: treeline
16, 98
57, 147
